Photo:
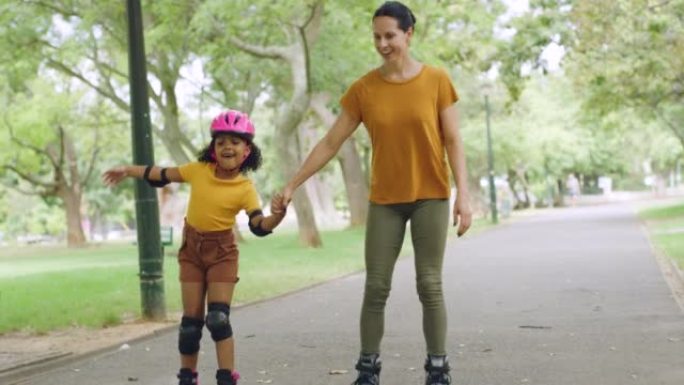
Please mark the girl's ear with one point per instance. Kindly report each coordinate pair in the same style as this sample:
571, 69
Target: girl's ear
248, 150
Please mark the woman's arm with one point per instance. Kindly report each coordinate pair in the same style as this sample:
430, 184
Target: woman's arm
448, 119
115, 175
321, 154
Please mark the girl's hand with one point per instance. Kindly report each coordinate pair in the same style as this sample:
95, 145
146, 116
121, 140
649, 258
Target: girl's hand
463, 216
114, 176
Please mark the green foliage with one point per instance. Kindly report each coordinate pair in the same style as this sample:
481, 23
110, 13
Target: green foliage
665, 226
30, 131
624, 63
629, 54
546, 22
21, 29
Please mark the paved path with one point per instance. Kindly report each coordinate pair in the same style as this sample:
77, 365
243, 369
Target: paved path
572, 297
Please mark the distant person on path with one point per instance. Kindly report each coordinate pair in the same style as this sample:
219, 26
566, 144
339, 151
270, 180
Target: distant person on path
573, 187
208, 255
408, 109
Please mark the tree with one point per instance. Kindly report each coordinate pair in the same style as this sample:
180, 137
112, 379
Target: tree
52, 151
630, 54
299, 28
88, 43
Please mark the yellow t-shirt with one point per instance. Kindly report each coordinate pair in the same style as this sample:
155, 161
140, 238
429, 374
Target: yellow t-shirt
215, 202
402, 118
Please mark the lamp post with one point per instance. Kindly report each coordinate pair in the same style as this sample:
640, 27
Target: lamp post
490, 163
150, 258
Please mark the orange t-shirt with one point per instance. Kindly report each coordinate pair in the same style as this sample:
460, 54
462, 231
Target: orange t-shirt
402, 119
215, 202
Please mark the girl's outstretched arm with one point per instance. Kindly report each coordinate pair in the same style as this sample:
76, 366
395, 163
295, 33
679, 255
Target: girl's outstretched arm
115, 175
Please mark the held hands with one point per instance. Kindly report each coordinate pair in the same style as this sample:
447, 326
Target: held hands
285, 197
463, 216
114, 176
278, 206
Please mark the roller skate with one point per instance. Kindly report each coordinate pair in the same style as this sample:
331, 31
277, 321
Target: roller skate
227, 377
187, 377
437, 370
368, 366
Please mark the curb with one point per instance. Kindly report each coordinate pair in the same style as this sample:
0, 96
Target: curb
672, 274
27, 370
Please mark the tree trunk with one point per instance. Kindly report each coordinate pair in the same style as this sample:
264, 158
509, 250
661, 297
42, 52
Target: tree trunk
512, 176
322, 199
72, 204
178, 145
69, 189
355, 182
559, 201
290, 159
290, 114
321, 194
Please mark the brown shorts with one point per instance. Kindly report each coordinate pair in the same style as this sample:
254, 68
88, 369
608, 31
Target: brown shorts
208, 256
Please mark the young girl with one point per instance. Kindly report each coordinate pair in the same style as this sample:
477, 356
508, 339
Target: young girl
208, 256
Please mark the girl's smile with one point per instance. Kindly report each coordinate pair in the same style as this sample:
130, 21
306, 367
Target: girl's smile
231, 151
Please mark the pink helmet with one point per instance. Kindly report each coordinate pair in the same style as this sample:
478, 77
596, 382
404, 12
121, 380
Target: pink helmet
233, 122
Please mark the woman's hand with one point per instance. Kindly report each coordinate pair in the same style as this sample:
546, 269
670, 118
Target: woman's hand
115, 175
463, 216
287, 195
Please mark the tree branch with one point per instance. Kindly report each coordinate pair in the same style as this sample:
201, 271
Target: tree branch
658, 5
58, 160
29, 178
91, 164
51, 6
312, 26
71, 158
259, 51
59, 66
671, 125
39, 151
93, 157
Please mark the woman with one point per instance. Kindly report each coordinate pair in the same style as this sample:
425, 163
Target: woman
408, 108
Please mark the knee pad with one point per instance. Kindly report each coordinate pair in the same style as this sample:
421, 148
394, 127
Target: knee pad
218, 321
189, 335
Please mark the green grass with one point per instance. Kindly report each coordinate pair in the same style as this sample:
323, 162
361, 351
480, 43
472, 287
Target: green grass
663, 213
666, 226
49, 288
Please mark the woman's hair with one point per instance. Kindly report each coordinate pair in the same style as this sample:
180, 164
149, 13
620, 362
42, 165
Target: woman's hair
398, 11
252, 163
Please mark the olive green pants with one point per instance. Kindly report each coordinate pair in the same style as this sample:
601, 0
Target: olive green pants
385, 231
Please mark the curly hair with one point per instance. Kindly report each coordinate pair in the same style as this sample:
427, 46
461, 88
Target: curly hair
252, 163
